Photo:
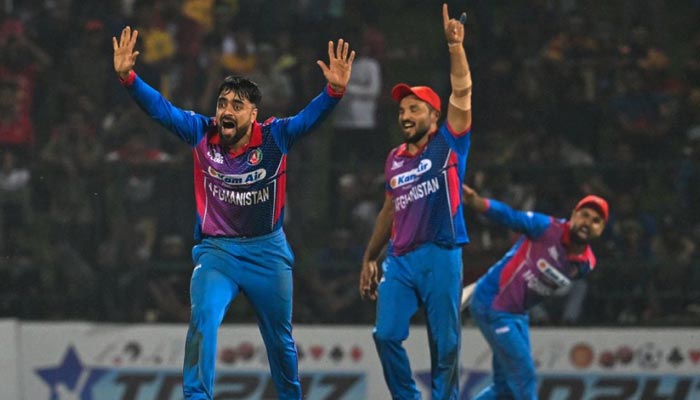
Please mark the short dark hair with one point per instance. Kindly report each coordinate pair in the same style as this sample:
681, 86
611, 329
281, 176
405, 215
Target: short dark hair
241, 86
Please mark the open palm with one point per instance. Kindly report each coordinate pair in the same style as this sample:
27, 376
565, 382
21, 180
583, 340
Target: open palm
124, 54
337, 72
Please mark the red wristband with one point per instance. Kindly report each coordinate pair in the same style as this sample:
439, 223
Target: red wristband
129, 79
334, 93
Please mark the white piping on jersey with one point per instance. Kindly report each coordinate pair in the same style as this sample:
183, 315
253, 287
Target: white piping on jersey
447, 192
274, 204
524, 263
279, 165
449, 203
275, 179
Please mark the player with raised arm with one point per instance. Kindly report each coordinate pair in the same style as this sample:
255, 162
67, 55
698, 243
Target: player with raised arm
240, 169
546, 258
422, 222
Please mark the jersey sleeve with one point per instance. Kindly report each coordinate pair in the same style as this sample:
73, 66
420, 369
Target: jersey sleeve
458, 141
530, 223
287, 130
189, 126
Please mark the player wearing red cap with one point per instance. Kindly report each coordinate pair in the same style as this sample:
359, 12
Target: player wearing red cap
543, 262
422, 221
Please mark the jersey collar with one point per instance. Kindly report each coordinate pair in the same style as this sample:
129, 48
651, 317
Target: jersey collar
403, 149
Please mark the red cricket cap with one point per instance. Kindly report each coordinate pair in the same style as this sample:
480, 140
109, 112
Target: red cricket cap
424, 93
595, 202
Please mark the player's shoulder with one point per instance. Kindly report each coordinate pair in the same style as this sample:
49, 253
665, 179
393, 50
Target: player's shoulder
554, 224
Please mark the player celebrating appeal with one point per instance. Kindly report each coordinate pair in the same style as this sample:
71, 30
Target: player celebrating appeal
239, 177
422, 215
550, 253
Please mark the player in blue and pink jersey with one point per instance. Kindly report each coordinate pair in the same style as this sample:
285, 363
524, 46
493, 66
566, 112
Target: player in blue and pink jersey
240, 171
543, 262
422, 221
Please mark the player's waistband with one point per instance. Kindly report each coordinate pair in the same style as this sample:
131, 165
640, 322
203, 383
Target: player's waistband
247, 239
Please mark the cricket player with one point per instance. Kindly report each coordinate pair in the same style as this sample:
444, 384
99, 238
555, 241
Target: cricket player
422, 221
240, 169
546, 258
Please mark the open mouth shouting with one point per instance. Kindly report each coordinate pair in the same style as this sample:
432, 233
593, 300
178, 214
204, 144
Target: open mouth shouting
228, 126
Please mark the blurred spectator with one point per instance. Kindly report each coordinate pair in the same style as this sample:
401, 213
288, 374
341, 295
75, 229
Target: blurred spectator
355, 118
156, 31
21, 59
69, 159
15, 207
668, 286
275, 83
331, 279
639, 116
239, 50
88, 67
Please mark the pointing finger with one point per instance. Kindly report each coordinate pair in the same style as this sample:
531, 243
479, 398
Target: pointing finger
445, 15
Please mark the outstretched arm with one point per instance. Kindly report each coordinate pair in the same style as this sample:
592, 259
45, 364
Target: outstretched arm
459, 110
187, 125
530, 223
337, 72
369, 277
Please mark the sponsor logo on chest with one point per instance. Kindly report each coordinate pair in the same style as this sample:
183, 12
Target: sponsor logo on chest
410, 176
238, 179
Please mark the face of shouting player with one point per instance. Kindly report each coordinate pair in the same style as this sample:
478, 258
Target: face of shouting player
234, 116
586, 225
416, 119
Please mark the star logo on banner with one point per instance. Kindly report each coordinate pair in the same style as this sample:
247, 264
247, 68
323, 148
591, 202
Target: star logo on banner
70, 380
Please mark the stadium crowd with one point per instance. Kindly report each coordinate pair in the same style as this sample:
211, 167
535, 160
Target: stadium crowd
96, 205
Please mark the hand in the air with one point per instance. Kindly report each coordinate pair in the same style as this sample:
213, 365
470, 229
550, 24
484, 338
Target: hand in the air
454, 29
124, 54
337, 72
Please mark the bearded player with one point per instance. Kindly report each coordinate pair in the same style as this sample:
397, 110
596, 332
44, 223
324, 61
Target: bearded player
240, 174
422, 221
546, 258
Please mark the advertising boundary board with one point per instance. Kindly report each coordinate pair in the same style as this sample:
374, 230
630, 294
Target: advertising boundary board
9, 362
143, 362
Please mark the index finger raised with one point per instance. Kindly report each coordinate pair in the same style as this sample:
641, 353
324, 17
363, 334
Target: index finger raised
445, 15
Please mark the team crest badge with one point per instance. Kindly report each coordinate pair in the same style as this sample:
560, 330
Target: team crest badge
255, 157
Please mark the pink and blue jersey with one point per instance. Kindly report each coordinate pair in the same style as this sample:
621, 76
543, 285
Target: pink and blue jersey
426, 191
537, 266
238, 194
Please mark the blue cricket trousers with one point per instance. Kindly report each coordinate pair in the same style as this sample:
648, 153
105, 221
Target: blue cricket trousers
260, 268
508, 335
430, 276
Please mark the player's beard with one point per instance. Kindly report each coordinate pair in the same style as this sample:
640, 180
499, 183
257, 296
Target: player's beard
417, 136
231, 140
575, 238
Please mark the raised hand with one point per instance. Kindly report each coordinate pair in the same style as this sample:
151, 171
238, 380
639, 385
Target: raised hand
337, 72
454, 29
124, 54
